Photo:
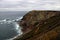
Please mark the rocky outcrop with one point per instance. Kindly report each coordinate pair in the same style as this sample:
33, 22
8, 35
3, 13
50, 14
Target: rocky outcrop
40, 25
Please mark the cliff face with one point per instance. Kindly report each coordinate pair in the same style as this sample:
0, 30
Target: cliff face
40, 25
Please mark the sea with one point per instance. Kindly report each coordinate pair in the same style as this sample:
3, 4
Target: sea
9, 27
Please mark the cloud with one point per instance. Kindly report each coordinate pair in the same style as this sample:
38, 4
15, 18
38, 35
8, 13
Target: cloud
29, 5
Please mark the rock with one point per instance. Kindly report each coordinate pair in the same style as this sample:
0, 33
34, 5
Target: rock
40, 25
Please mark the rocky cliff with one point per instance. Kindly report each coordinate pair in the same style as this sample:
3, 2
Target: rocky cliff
40, 25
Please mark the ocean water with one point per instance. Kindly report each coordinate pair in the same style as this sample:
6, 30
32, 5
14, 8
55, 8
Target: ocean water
9, 27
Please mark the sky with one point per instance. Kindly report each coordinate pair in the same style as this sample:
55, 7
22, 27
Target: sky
26, 5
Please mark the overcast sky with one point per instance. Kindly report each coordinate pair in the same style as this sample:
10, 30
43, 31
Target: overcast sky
25, 5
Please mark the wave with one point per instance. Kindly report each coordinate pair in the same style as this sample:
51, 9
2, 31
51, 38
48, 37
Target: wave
17, 27
7, 20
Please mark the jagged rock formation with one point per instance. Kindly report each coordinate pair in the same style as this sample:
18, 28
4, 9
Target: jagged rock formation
40, 25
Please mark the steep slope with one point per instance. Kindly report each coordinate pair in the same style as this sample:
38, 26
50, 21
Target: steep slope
40, 25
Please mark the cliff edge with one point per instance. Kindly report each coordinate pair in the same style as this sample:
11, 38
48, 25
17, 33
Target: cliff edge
40, 25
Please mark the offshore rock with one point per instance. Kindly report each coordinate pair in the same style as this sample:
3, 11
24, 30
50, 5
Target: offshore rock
40, 25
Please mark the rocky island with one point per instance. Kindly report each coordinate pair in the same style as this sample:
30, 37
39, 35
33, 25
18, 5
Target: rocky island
40, 25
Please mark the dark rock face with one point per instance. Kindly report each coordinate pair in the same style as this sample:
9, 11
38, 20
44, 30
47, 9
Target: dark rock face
40, 25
